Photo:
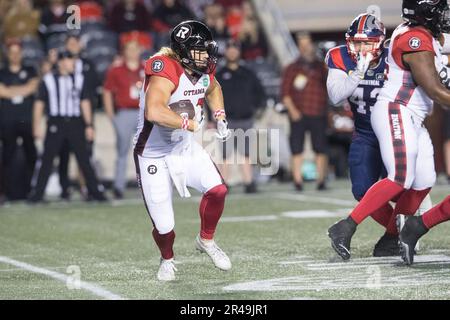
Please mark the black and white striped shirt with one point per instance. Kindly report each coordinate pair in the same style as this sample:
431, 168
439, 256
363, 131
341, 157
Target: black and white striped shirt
62, 95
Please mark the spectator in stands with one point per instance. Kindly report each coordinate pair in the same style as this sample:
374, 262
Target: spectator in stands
129, 15
170, 13
5, 5
252, 38
304, 93
21, 20
197, 7
244, 95
18, 84
69, 118
121, 101
49, 62
229, 3
53, 20
84, 68
215, 20
446, 128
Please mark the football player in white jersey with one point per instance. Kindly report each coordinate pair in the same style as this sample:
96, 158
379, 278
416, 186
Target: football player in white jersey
412, 84
165, 152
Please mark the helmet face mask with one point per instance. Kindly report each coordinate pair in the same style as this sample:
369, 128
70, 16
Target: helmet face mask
432, 14
365, 35
192, 41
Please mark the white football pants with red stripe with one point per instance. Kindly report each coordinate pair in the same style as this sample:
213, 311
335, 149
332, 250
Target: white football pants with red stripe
156, 183
405, 145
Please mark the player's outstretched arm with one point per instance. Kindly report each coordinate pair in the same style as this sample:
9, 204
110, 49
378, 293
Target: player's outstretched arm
214, 96
157, 98
425, 75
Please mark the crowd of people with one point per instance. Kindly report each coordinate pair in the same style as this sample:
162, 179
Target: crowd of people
69, 74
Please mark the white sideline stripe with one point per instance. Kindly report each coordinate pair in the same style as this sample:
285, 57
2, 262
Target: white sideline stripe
249, 218
309, 198
96, 290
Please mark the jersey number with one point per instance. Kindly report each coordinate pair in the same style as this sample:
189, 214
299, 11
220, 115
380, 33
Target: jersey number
360, 97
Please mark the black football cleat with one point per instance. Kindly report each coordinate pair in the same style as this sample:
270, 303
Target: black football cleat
387, 246
413, 230
341, 234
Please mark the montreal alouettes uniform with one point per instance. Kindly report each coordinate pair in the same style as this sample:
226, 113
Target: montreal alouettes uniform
153, 140
364, 97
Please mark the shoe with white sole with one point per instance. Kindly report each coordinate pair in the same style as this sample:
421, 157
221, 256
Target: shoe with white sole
219, 258
166, 270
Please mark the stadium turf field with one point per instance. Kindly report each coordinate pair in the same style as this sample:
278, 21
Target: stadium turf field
276, 241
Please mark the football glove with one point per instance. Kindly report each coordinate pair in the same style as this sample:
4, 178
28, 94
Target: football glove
363, 64
223, 133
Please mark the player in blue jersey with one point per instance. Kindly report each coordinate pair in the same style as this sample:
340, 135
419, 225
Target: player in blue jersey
356, 73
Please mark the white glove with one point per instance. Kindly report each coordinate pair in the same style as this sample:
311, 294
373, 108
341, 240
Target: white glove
363, 64
199, 117
223, 133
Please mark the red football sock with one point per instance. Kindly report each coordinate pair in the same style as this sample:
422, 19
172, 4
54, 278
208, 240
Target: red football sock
164, 243
211, 208
437, 214
375, 198
409, 201
392, 225
383, 216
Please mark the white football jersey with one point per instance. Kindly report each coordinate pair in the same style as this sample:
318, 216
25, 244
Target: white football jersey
153, 140
400, 87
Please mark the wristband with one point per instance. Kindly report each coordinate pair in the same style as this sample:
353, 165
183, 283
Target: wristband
184, 123
219, 113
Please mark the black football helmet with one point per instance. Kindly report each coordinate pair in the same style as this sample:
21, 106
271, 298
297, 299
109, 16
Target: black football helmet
188, 40
432, 14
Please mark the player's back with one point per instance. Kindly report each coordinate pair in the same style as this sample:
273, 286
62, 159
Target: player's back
153, 140
363, 99
400, 87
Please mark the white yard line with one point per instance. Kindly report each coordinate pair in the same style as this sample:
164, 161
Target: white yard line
309, 198
96, 290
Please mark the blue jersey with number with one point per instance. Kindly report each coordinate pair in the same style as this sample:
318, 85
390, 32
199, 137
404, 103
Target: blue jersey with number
364, 97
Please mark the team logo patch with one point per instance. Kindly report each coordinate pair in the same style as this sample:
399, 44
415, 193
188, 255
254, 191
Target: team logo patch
205, 82
183, 33
414, 43
152, 169
157, 65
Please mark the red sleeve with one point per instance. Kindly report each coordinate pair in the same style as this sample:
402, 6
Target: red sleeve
334, 59
110, 79
413, 40
165, 67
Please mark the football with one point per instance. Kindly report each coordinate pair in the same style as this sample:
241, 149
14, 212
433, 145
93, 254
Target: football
184, 108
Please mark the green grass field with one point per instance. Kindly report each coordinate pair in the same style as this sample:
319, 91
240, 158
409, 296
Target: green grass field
276, 240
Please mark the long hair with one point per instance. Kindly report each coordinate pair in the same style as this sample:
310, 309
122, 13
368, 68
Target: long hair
168, 52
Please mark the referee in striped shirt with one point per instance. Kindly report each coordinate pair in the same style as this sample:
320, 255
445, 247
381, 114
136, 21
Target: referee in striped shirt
63, 95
